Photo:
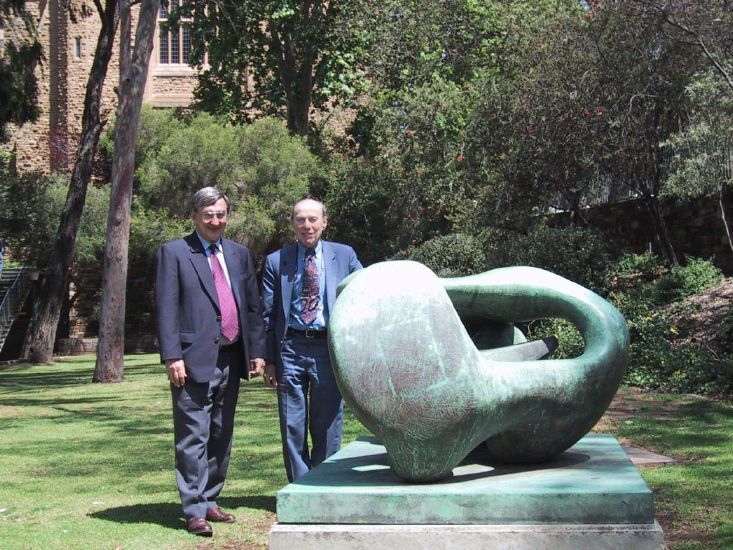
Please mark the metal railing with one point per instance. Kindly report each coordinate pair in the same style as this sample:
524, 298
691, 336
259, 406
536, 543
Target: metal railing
12, 301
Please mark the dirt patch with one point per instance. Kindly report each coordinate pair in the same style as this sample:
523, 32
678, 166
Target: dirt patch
11, 412
701, 319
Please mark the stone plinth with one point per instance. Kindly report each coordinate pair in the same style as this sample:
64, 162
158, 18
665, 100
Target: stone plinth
592, 496
466, 537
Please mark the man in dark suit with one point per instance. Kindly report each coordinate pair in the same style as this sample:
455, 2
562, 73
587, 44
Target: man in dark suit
211, 333
300, 284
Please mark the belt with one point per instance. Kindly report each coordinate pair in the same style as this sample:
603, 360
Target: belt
309, 332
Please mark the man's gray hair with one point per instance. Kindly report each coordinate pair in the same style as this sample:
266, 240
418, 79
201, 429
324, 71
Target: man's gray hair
206, 196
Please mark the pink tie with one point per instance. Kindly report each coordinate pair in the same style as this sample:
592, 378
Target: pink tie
229, 322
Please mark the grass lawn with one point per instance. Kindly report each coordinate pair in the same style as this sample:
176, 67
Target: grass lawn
693, 498
86, 465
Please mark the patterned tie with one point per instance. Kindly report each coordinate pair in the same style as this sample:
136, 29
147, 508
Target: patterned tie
310, 294
229, 322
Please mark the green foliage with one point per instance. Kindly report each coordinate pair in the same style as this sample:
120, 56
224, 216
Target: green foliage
645, 266
631, 280
31, 206
700, 154
274, 58
570, 342
682, 281
641, 288
726, 332
200, 154
410, 184
415, 43
92, 227
451, 255
656, 363
359, 203
151, 228
537, 126
639, 282
260, 166
154, 128
575, 253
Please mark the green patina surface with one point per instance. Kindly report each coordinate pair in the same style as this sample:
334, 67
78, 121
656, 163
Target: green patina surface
594, 482
408, 364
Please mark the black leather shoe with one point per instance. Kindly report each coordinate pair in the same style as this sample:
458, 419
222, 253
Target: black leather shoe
215, 514
199, 526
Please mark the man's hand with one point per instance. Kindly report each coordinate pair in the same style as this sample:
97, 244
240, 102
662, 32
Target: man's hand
256, 366
176, 370
270, 376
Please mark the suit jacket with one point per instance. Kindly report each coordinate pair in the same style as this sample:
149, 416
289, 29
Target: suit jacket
339, 260
188, 315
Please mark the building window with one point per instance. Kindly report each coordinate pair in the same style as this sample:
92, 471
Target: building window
77, 47
174, 44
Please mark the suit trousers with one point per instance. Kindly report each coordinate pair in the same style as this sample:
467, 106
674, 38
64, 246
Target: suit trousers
203, 420
309, 401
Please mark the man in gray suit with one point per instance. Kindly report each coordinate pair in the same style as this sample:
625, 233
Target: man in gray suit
211, 333
300, 284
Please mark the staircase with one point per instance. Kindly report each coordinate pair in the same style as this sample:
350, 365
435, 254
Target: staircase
15, 283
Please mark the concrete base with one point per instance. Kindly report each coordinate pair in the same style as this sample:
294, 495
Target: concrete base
593, 483
466, 537
590, 497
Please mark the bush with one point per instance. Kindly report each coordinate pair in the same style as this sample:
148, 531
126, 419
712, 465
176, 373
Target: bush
451, 255
31, 206
262, 168
154, 128
683, 281
570, 343
655, 363
575, 253
360, 199
151, 228
645, 265
640, 285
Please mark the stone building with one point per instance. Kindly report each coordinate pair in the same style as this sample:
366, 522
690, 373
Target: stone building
68, 31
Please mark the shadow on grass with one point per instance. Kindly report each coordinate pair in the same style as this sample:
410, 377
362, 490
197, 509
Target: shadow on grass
63, 374
168, 514
60, 378
258, 502
165, 514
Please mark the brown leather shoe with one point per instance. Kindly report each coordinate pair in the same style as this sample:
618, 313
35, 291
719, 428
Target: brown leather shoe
199, 526
215, 514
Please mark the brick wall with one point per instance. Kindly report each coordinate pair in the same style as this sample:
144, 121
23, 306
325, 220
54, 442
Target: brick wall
50, 143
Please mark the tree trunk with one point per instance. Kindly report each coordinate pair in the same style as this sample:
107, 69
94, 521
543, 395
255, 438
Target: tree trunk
659, 226
133, 74
298, 113
723, 200
39, 341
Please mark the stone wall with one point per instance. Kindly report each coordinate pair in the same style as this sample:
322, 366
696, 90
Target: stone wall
85, 297
695, 228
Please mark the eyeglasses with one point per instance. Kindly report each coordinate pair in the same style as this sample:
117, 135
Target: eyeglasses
208, 216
